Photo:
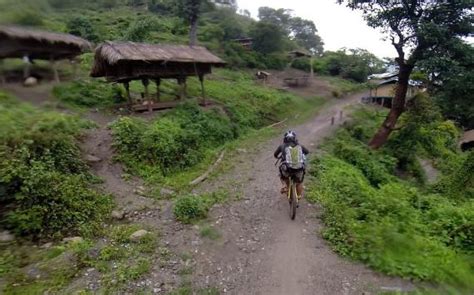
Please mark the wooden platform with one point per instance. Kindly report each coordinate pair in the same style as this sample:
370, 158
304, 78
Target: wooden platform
157, 106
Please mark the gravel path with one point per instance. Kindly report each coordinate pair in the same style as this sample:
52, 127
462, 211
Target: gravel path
262, 251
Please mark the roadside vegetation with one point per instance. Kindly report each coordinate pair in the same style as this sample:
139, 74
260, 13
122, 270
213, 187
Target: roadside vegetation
46, 188
378, 208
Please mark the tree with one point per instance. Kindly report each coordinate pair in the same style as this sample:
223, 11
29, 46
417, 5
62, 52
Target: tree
305, 34
417, 29
278, 17
302, 31
190, 10
267, 37
450, 75
82, 27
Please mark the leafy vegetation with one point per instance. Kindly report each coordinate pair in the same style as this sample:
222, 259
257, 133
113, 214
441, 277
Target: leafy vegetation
88, 93
394, 225
191, 208
45, 186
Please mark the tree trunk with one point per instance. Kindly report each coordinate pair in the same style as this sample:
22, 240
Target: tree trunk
193, 32
398, 107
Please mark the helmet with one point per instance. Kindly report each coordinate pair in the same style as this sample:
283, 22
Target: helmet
290, 136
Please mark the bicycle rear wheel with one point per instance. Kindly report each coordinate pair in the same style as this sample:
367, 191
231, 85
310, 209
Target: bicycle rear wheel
293, 201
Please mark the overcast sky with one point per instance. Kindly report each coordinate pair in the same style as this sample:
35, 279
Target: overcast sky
337, 25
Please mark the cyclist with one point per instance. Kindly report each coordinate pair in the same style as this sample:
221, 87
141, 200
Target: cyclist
297, 165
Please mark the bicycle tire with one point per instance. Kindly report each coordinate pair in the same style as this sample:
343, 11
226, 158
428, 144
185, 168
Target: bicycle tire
293, 202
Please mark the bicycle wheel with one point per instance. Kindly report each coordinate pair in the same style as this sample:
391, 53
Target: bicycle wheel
293, 201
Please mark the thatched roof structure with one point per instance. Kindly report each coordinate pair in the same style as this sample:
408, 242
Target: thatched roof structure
468, 136
17, 42
128, 60
299, 53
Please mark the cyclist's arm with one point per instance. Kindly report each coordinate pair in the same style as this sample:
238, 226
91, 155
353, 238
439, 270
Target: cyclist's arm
305, 150
277, 153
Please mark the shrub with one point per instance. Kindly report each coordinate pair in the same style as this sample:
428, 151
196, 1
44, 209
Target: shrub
45, 185
190, 208
424, 233
174, 142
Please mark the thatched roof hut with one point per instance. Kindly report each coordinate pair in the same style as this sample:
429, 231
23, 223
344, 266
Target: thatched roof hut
126, 61
129, 61
17, 42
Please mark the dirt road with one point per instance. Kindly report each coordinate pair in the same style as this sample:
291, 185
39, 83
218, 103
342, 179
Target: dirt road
262, 251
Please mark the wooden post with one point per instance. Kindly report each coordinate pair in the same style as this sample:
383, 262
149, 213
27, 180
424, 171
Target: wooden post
311, 67
55, 70
203, 91
74, 68
2, 73
182, 87
126, 84
145, 83
27, 67
158, 94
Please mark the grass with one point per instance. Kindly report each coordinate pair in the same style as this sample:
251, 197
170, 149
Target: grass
192, 208
210, 232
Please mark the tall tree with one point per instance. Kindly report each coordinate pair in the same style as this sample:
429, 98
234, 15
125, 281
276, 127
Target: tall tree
417, 29
190, 10
304, 32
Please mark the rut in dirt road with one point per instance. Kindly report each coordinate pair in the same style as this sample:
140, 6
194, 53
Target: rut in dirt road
264, 252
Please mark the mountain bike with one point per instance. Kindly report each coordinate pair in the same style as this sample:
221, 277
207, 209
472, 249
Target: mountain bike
293, 197
292, 194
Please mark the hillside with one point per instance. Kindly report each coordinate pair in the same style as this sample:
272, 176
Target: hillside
101, 195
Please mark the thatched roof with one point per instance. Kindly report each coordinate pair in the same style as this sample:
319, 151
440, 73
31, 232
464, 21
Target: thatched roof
121, 60
114, 52
468, 136
300, 53
19, 41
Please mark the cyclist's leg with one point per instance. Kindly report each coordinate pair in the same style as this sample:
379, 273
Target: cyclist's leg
284, 178
299, 178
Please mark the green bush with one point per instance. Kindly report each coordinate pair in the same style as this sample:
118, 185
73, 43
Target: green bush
44, 184
191, 208
395, 229
174, 142
421, 232
88, 93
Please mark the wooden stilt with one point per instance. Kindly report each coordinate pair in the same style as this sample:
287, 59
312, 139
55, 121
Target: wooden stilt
203, 91
3, 80
126, 84
158, 94
145, 83
55, 70
27, 67
74, 68
182, 88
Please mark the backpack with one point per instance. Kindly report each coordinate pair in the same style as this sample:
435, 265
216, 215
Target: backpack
294, 157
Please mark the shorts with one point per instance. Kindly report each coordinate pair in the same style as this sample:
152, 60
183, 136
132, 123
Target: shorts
298, 175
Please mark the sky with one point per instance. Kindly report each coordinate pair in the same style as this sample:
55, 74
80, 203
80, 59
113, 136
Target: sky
337, 25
